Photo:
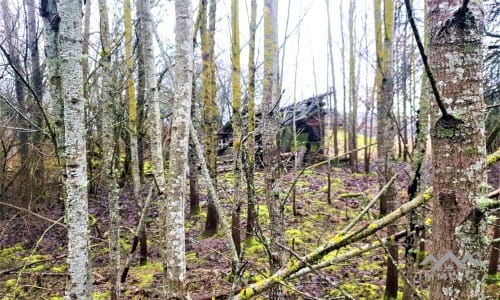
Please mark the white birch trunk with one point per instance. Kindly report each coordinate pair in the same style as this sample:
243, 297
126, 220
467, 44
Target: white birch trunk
151, 97
80, 285
174, 262
108, 138
270, 149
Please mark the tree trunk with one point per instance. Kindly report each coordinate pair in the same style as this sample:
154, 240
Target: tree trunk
458, 146
353, 157
108, 149
37, 84
270, 147
237, 124
70, 31
250, 147
210, 107
51, 20
493, 262
386, 131
132, 125
151, 98
172, 211
14, 53
334, 89
345, 124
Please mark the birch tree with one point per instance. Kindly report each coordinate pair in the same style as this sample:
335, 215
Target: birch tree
151, 96
250, 147
51, 24
36, 80
173, 242
334, 89
237, 123
458, 144
269, 143
11, 27
108, 147
353, 157
132, 121
209, 95
70, 31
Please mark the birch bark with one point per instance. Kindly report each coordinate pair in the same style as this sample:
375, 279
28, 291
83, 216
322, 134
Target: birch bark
173, 211
269, 143
109, 157
70, 33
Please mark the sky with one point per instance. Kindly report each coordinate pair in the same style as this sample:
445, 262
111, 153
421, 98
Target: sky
305, 47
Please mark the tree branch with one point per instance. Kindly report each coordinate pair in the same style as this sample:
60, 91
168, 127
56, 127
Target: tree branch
335, 243
428, 71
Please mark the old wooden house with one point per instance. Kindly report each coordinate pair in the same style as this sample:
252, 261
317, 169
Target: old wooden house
309, 118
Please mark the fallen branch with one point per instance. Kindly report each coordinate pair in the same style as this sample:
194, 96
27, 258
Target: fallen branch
135, 242
33, 213
315, 271
372, 202
335, 243
350, 254
27, 265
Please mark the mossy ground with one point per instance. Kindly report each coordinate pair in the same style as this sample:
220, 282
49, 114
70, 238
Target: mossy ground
208, 262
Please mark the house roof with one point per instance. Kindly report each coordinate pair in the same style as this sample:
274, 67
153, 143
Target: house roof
303, 110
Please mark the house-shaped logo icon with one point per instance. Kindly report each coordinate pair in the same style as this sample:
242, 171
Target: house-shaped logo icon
448, 263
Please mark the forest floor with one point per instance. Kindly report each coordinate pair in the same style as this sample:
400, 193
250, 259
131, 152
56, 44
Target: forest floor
33, 251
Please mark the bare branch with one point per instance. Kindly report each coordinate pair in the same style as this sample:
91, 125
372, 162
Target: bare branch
428, 71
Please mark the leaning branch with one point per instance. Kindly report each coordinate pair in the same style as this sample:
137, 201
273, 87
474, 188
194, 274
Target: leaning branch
135, 241
428, 71
350, 254
335, 243
33, 213
204, 170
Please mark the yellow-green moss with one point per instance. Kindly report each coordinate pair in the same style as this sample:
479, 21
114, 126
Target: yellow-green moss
296, 235
427, 196
125, 245
11, 282
11, 250
246, 293
148, 171
469, 150
144, 274
359, 290
337, 238
262, 213
59, 268
101, 295
369, 266
335, 184
253, 246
